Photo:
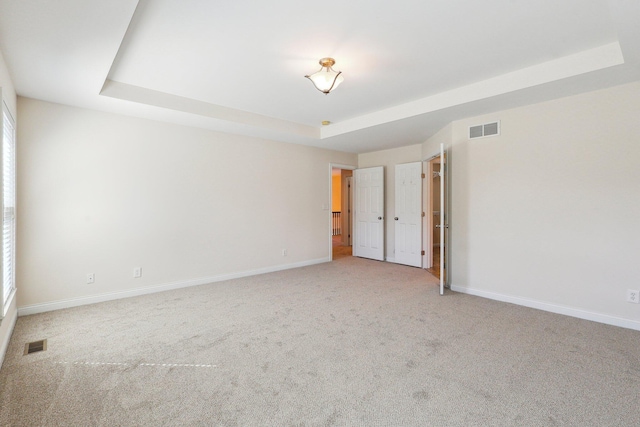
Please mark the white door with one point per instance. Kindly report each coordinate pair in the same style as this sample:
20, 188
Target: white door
443, 219
408, 214
369, 213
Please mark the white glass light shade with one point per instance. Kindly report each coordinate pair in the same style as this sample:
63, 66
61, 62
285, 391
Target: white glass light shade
326, 79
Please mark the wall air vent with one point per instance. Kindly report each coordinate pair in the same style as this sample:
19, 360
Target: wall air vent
487, 129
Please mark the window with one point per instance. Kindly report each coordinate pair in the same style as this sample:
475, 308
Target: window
8, 208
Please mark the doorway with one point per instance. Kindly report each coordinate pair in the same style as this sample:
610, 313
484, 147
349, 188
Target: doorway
341, 211
435, 213
435, 219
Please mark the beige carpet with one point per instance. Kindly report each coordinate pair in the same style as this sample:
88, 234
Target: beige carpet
349, 343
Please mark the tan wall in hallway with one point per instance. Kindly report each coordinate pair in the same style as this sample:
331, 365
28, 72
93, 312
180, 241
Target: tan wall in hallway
336, 193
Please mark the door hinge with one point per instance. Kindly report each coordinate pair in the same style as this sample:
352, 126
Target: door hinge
423, 214
423, 253
423, 176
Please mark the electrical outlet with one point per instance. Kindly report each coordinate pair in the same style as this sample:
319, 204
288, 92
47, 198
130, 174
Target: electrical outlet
137, 272
284, 252
91, 278
633, 296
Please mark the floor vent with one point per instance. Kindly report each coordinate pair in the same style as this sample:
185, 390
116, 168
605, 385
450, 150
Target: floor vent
34, 347
487, 129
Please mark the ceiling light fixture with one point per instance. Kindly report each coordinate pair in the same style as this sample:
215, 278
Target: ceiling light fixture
326, 79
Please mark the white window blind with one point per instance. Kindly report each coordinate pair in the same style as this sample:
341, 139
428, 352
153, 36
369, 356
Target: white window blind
8, 207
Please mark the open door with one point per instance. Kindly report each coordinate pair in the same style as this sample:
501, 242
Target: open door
408, 214
369, 213
443, 226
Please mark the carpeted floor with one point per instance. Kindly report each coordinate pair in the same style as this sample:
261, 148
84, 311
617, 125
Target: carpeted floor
353, 342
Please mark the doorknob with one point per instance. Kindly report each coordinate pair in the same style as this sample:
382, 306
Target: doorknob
380, 218
396, 218
439, 226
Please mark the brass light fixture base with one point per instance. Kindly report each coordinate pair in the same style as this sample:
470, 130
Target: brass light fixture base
327, 62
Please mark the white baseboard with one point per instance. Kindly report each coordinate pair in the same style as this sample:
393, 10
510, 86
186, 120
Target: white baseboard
553, 308
92, 299
4, 345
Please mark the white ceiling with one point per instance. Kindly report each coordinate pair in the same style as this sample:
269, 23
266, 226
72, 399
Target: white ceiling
410, 66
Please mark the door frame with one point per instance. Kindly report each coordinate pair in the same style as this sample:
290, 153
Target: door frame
333, 166
349, 199
445, 213
427, 206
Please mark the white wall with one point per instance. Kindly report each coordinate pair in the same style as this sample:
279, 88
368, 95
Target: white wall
548, 213
431, 147
8, 95
388, 159
102, 193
